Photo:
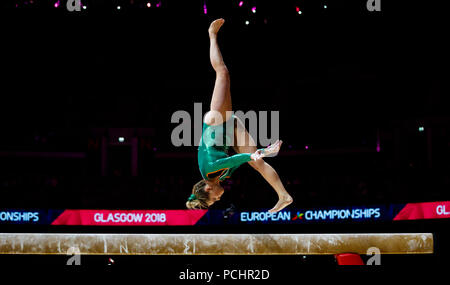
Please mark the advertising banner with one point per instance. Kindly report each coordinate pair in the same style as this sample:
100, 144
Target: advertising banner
354, 214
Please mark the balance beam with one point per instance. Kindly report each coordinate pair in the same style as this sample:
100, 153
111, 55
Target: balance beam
213, 244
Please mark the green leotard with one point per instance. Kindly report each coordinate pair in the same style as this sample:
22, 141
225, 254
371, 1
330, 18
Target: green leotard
213, 159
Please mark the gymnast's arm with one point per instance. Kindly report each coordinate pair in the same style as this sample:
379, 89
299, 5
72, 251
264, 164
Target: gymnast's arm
235, 160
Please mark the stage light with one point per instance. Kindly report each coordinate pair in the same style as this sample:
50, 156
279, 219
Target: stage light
158, 4
121, 139
241, 3
56, 5
205, 9
306, 147
149, 4
298, 10
247, 22
254, 10
324, 6
84, 7
421, 129
118, 7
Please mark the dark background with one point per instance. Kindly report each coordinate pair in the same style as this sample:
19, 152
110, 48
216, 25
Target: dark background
341, 78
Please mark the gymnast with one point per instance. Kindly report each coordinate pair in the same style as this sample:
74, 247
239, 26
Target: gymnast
214, 162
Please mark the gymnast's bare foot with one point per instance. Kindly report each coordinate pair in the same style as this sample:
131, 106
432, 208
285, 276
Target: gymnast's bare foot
215, 27
283, 202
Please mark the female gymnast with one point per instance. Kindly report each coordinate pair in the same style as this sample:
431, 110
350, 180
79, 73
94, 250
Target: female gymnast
214, 163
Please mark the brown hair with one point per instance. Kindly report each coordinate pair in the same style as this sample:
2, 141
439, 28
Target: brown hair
199, 198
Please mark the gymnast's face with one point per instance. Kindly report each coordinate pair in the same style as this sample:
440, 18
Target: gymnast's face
215, 192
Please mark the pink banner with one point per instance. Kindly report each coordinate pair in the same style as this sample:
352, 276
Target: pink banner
429, 210
129, 217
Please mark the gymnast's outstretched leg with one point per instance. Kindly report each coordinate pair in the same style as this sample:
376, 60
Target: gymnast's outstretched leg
221, 98
244, 143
